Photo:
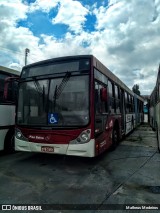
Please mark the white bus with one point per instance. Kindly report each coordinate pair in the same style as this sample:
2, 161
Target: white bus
8, 96
154, 109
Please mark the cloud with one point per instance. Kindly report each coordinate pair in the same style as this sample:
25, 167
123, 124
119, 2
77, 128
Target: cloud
126, 37
43, 5
16, 40
11, 37
71, 13
130, 31
15, 66
11, 11
70, 45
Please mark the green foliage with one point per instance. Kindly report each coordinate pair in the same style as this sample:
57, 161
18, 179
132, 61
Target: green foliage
135, 89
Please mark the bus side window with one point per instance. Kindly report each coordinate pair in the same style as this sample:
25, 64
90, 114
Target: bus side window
100, 107
2, 84
111, 97
117, 99
1, 89
12, 91
126, 102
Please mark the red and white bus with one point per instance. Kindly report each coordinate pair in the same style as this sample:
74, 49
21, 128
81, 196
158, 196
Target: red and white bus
8, 97
74, 106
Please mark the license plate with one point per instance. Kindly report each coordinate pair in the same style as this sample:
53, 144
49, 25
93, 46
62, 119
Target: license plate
47, 149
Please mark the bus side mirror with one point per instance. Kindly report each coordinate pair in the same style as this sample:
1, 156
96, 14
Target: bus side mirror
103, 94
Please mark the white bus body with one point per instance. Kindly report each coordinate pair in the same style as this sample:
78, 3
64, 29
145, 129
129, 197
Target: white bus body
7, 109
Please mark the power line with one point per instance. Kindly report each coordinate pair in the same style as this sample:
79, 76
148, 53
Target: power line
19, 53
12, 51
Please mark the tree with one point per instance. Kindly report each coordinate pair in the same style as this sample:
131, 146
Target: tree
135, 89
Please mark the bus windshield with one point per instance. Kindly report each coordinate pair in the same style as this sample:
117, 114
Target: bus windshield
56, 102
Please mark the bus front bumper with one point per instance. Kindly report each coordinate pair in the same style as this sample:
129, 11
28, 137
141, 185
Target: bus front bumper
83, 150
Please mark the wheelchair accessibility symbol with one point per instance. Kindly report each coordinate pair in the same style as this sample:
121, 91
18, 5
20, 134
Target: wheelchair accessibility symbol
53, 118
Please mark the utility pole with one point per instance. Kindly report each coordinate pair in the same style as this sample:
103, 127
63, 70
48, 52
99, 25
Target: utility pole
26, 54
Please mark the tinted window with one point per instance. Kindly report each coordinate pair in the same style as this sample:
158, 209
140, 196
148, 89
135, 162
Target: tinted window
10, 88
67, 100
100, 107
110, 88
2, 82
100, 76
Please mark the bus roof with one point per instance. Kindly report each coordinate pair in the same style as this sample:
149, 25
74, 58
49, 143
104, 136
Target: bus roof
10, 71
96, 63
113, 77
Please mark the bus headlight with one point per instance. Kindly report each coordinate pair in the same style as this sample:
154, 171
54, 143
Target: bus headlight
84, 137
20, 136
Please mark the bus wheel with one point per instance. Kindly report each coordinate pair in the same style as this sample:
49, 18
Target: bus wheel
115, 138
9, 146
157, 134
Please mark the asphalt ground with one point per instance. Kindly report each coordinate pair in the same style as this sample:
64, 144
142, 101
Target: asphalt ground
128, 177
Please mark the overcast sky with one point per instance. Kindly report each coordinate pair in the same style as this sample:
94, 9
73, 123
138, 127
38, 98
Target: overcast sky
122, 34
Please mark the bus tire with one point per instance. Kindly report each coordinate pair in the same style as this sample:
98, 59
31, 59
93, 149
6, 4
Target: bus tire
153, 125
115, 138
9, 144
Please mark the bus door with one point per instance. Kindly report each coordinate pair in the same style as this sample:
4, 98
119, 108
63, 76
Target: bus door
122, 110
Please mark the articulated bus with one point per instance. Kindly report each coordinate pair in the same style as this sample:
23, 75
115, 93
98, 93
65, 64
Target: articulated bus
73, 105
154, 110
7, 108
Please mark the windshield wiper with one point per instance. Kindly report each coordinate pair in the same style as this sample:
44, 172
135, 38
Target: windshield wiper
60, 88
40, 91
62, 84
38, 87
